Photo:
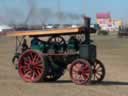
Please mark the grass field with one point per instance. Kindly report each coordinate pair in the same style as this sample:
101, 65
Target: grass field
112, 51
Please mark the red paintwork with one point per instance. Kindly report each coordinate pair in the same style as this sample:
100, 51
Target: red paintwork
80, 71
31, 66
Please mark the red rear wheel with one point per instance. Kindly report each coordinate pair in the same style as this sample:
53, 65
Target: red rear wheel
31, 66
80, 72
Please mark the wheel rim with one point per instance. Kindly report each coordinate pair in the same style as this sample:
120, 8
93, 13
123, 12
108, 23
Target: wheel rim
98, 71
80, 72
31, 66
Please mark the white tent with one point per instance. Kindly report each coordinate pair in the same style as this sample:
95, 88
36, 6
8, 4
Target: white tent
5, 27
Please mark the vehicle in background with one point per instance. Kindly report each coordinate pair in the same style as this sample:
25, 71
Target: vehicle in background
4, 28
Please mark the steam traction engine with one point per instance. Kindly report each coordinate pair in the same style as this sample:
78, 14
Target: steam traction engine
43, 60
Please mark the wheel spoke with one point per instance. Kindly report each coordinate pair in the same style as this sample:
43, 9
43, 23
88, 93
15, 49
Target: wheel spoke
76, 76
75, 69
99, 73
94, 77
38, 72
34, 75
31, 55
86, 70
98, 76
26, 63
85, 76
25, 59
24, 67
39, 66
28, 74
81, 77
78, 66
100, 70
39, 62
26, 70
97, 68
35, 58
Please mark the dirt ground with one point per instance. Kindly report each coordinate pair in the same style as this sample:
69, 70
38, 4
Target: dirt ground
112, 51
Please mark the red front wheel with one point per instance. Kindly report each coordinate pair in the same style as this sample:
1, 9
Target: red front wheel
80, 71
31, 66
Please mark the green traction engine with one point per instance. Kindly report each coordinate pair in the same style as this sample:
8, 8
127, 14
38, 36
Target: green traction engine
47, 60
